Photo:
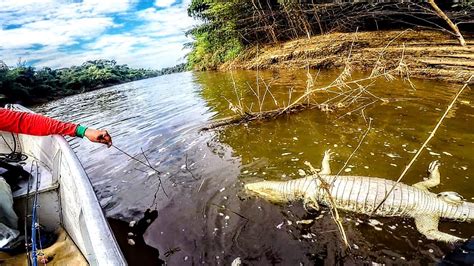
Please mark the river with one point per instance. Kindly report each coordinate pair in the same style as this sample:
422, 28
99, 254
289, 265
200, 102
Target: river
204, 214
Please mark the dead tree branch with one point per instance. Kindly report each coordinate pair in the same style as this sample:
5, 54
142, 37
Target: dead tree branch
453, 26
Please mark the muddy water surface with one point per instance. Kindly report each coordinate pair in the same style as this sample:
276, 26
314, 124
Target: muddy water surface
204, 214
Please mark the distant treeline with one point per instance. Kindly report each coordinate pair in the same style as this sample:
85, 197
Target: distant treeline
230, 26
29, 85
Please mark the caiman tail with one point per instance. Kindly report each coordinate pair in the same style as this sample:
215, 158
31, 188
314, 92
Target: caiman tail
463, 212
284, 191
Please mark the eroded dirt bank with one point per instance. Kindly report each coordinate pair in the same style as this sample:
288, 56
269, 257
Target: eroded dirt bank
428, 54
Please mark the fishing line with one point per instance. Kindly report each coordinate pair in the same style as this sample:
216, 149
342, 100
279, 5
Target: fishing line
28, 186
135, 159
147, 164
34, 224
433, 132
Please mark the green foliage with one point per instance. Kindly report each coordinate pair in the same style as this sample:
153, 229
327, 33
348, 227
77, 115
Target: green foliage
175, 69
26, 84
216, 39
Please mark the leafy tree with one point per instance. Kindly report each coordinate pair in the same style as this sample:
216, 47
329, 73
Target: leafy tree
216, 40
28, 85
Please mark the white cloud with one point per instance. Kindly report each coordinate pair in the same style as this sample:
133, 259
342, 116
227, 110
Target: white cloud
107, 6
24, 11
53, 32
54, 25
164, 3
166, 21
155, 57
55, 22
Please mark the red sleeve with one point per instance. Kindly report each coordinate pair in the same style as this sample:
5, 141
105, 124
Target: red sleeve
33, 124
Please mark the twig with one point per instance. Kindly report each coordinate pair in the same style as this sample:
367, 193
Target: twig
234, 212
357, 109
325, 186
267, 88
239, 99
187, 168
333, 207
134, 158
200, 186
453, 26
355, 150
147, 164
425, 143
331, 86
385, 48
160, 184
363, 115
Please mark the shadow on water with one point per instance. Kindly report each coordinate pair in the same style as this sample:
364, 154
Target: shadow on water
208, 219
129, 236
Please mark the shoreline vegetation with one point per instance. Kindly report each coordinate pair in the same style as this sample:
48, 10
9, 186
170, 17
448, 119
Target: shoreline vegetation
27, 85
428, 54
435, 38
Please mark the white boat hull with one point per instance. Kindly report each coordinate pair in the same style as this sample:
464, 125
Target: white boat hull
67, 198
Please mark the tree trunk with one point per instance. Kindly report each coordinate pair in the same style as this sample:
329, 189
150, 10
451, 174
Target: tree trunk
453, 26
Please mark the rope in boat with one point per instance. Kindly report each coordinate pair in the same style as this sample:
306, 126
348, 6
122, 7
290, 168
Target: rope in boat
14, 156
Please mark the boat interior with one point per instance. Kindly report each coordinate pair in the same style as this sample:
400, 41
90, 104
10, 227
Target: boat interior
38, 181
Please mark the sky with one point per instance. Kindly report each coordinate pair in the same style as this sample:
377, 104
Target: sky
62, 33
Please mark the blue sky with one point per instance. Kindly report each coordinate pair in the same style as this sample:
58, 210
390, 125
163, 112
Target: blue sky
61, 33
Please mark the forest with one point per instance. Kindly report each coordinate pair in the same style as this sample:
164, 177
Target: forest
229, 27
28, 85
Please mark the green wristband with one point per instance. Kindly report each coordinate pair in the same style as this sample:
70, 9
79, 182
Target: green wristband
81, 131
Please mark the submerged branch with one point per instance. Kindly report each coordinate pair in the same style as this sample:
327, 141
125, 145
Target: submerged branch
147, 164
300, 104
348, 92
264, 115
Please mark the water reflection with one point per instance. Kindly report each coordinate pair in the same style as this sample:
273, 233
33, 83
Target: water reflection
210, 219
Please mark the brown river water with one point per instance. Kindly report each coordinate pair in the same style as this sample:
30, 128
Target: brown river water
205, 217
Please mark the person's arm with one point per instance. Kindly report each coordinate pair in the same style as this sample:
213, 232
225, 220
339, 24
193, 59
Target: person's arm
39, 125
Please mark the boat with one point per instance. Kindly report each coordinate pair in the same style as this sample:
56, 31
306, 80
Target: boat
65, 198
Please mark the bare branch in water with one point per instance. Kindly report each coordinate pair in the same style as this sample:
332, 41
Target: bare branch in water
355, 150
348, 92
187, 167
147, 164
234, 212
334, 212
326, 187
160, 184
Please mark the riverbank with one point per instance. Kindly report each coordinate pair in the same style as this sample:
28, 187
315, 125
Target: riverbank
428, 54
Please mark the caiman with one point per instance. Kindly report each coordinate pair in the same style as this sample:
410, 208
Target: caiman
363, 194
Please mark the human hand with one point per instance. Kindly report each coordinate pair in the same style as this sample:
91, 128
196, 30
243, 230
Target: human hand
99, 136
